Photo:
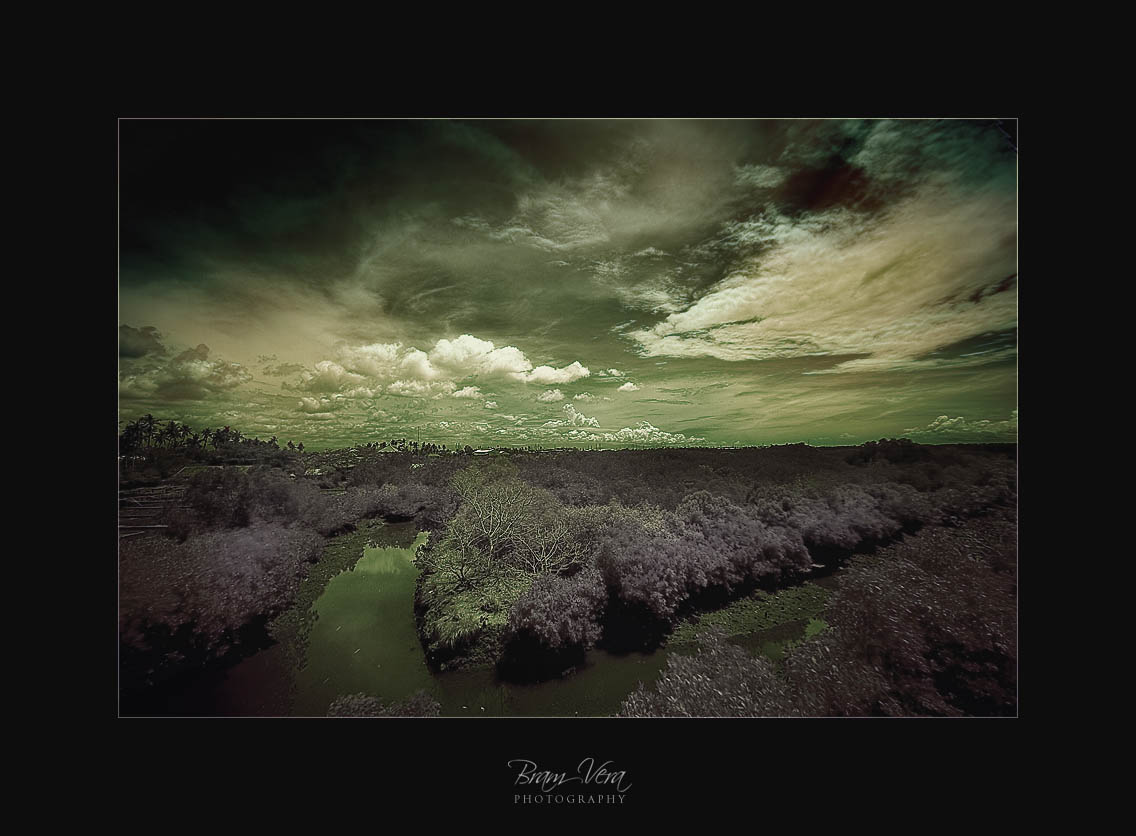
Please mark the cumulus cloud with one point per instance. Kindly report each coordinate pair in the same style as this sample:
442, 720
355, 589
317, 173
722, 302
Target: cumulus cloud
945, 427
871, 246
491, 404
190, 375
328, 376
550, 396
628, 387
573, 418
643, 433
420, 388
547, 374
313, 406
406, 370
468, 356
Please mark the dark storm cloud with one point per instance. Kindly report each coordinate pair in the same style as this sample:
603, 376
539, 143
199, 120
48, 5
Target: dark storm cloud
138, 342
190, 375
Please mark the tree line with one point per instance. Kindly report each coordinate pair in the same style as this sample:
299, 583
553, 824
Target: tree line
147, 433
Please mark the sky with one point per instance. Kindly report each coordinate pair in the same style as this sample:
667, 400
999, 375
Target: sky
571, 283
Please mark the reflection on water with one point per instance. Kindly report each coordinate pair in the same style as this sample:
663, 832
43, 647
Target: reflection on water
364, 640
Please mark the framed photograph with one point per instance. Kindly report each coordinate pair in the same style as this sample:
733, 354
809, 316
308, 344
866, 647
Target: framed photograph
568, 418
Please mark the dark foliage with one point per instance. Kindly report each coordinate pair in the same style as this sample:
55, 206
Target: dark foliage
215, 582
932, 632
736, 520
550, 553
420, 704
925, 628
220, 497
561, 612
719, 680
894, 450
718, 545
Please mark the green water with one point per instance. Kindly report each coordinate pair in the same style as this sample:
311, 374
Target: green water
364, 641
364, 638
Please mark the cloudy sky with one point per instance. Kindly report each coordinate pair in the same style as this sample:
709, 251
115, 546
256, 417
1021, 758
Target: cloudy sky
571, 283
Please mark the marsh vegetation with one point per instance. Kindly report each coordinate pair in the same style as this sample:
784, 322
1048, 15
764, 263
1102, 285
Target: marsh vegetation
793, 580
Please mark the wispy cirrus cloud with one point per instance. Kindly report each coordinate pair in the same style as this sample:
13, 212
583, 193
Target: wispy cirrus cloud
795, 279
929, 273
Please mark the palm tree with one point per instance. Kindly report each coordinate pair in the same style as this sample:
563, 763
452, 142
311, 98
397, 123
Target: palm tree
147, 424
131, 437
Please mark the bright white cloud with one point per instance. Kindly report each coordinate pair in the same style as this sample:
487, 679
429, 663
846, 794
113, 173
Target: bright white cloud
468, 356
547, 374
947, 427
643, 433
628, 387
420, 388
328, 376
550, 396
579, 419
359, 371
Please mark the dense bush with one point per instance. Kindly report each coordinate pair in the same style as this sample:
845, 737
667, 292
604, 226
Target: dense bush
455, 611
720, 680
509, 557
215, 582
932, 632
420, 704
561, 612
231, 498
713, 544
535, 546
734, 520
221, 497
926, 628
